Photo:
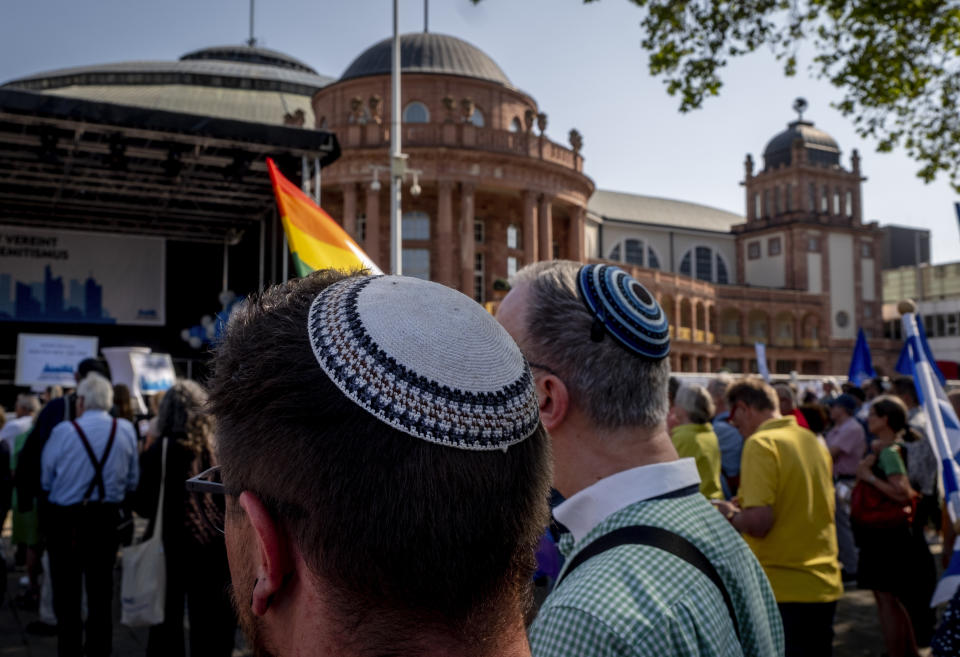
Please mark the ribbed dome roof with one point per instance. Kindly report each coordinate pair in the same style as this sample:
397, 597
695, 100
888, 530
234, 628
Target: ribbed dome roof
425, 52
821, 148
233, 82
249, 55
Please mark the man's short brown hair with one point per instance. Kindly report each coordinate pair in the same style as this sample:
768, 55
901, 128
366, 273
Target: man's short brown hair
409, 534
755, 393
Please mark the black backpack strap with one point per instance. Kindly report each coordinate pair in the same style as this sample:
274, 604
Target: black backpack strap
661, 539
97, 481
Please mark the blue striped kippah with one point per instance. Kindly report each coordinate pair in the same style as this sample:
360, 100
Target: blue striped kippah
624, 309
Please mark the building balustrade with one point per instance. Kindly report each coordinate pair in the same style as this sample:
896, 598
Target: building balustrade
683, 333
784, 342
810, 343
462, 135
699, 335
729, 339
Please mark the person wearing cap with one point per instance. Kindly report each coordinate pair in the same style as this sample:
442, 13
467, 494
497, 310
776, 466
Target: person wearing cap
786, 515
847, 442
384, 469
651, 568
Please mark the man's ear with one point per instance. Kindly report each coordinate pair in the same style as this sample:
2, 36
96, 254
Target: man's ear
273, 556
554, 401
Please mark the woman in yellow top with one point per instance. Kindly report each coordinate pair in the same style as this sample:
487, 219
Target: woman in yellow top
693, 436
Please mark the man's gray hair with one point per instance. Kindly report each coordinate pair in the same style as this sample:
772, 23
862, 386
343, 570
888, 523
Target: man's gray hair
614, 387
697, 402
97, 392
28, 403
719, 385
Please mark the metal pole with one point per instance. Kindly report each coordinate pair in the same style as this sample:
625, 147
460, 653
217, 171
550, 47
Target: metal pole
226, 263
396, 160
251, 41
263, 240
316, 180
426, 16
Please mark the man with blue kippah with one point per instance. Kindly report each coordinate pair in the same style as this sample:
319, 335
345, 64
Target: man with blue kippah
651, 568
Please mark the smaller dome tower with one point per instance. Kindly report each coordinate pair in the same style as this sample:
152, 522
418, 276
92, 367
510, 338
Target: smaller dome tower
803, 179
805, 229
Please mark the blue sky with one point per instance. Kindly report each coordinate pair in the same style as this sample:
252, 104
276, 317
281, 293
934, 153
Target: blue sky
582, 63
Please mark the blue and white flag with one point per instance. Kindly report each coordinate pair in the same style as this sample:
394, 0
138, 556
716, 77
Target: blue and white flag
861, 366
943, 429
762, 367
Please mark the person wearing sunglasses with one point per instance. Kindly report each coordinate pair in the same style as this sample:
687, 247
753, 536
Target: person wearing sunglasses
384, 468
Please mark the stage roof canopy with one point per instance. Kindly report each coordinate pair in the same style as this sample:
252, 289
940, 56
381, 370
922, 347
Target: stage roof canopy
84, 165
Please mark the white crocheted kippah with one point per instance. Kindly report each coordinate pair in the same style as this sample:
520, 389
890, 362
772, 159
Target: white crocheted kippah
424, 359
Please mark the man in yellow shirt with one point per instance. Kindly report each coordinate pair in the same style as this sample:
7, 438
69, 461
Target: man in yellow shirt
692, 435
786, 515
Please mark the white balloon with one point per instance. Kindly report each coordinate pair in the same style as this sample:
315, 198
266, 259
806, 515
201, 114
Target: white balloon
196, 342
206, 320
226, 297
185, 335
211, 330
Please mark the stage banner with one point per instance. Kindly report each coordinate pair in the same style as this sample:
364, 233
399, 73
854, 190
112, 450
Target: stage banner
81, 277
47, 360
152, 372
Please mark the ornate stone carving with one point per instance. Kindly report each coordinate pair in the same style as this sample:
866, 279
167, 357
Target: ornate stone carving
748, 165
576, 140
376, 108
542, 122
466, 109
528, 118
356, 108
450, 105
295, 119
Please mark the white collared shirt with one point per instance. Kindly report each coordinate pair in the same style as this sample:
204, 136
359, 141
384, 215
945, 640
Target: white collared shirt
586, 509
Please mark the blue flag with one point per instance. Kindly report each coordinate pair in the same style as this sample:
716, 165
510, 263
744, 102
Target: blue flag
943, 431
861, 367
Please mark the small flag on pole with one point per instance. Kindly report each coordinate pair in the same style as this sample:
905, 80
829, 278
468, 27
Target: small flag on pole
861, 366
943, 429
316, 240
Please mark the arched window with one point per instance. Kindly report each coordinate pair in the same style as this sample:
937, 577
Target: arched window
323, 123
477, 118
416, 112
513, 237
516, 125
634, 252
362, 117
705, 264
416, 225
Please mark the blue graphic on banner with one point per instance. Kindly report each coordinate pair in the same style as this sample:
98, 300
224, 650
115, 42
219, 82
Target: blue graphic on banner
44, 301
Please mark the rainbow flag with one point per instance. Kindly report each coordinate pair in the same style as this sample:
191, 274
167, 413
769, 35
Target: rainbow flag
316, 240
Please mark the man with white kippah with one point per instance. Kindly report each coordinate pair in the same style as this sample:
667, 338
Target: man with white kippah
651, 568
385, 470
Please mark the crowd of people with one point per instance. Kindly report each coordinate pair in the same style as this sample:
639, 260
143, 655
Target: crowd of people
379, 466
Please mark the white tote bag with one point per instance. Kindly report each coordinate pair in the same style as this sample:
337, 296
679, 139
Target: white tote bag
143, 589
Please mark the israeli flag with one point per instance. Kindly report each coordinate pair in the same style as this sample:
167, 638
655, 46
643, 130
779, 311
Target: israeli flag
944, 430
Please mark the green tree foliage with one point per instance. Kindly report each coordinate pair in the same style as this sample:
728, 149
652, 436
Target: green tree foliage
895, 62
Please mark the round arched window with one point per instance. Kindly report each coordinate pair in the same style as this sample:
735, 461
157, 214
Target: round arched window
515, 125
416, 112
477, 118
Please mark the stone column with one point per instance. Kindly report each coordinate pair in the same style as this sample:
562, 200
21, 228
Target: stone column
444, 236
529, 227
577, 237
350, 209
467, 246
372, 242
545, 229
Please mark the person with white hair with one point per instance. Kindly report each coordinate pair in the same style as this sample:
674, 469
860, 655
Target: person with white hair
26, 410
88, 466
692, 436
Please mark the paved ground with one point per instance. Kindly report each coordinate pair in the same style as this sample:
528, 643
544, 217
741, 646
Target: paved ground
857, 629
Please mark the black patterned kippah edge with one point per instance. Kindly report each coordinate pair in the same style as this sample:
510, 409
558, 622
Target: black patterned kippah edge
591, 299
403, 399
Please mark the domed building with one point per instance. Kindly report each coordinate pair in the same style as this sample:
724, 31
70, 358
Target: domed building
496, 193
244, 83
799, 273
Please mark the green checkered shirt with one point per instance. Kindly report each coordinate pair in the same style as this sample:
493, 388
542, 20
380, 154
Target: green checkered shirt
640, 600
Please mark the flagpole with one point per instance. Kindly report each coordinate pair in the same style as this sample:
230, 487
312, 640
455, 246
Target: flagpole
396, 157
